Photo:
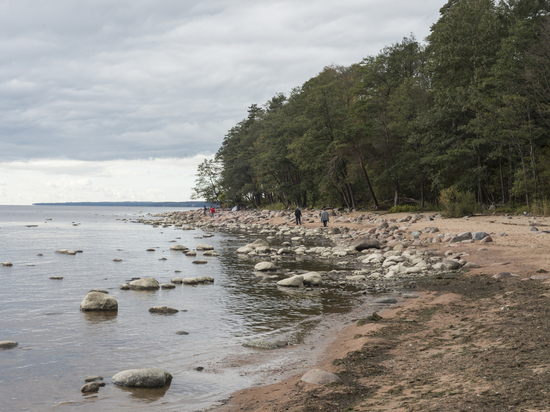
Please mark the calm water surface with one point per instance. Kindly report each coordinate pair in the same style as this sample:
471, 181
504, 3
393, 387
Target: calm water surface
59, 345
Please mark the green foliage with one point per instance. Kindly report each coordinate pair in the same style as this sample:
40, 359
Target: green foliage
457, 203
274, 206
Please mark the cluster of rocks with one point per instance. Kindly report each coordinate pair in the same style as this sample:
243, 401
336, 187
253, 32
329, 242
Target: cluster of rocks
132, 378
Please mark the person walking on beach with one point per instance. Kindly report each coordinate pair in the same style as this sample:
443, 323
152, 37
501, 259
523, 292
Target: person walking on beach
204, 210
298, 214
324, 217
212, 211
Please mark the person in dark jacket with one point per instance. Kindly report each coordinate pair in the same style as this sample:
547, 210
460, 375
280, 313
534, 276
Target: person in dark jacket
324, 217
298, 214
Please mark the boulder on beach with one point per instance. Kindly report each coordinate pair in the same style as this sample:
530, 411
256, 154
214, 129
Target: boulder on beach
320, 377
190, 253
143, 378
245, 250
364, 243
479, 235
167, 286
385, 300
144, 284
8, 344
461, 237
163, 309
178, 247
260, 344
98, 301
450, 264
204, 246
258, 242
265, 266
177, 281
294, 281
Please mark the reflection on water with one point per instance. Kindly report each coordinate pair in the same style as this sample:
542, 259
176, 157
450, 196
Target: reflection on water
57, 352
146, 395
93, 317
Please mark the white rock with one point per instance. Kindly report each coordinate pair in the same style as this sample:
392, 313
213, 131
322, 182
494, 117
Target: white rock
265, 266
294, 281
312, 278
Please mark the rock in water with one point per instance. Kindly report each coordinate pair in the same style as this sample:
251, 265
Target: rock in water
163, 309
320, 377
204, 246
294, 281
178, 247
8, 344
143, 378
98, 301
265, 266
92, 387
144, 284
312, 278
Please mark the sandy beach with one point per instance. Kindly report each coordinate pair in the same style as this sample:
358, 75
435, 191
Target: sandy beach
470, 342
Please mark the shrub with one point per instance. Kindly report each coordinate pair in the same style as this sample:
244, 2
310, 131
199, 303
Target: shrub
403, 209
457, 203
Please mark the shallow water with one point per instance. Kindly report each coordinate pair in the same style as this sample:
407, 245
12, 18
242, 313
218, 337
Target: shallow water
59, 345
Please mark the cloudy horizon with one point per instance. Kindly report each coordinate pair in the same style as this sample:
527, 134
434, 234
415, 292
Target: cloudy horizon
121, 100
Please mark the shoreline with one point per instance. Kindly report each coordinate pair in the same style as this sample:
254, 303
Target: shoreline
518, 251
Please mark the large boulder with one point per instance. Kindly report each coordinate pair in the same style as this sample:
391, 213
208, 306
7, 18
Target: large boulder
479, 235
461, 237
144, 284
294, 281
245, 249
143, 378
98, 301
450, 264
312, 278
366, 243
265, 266
320, 377
204, 246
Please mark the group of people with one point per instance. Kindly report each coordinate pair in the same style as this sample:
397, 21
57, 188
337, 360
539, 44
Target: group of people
324, 216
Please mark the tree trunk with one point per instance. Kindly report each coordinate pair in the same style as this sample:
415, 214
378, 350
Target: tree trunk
371, 191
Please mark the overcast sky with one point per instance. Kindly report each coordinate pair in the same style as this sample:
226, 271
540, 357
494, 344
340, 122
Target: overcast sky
111, 100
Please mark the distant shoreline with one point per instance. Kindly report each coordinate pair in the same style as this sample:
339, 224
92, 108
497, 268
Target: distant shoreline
131, 204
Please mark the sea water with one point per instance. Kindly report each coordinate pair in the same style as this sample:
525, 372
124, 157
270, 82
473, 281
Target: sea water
59, 345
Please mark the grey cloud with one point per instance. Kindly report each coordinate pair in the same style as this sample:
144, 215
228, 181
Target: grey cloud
99, 80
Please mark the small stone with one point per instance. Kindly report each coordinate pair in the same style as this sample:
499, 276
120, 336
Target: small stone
385, 300
93, 378
92, 387
56, 277
182, 332
502, 275
265, 266
117, 260
200, 262
163, 309
260, 344
8, 264
167, 286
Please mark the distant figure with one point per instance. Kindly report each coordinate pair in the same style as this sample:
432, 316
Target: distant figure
204, 210
324, 217
212, 211
298, 214
234, 209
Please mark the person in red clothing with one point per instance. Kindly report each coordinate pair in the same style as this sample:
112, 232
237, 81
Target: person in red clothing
212, 211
